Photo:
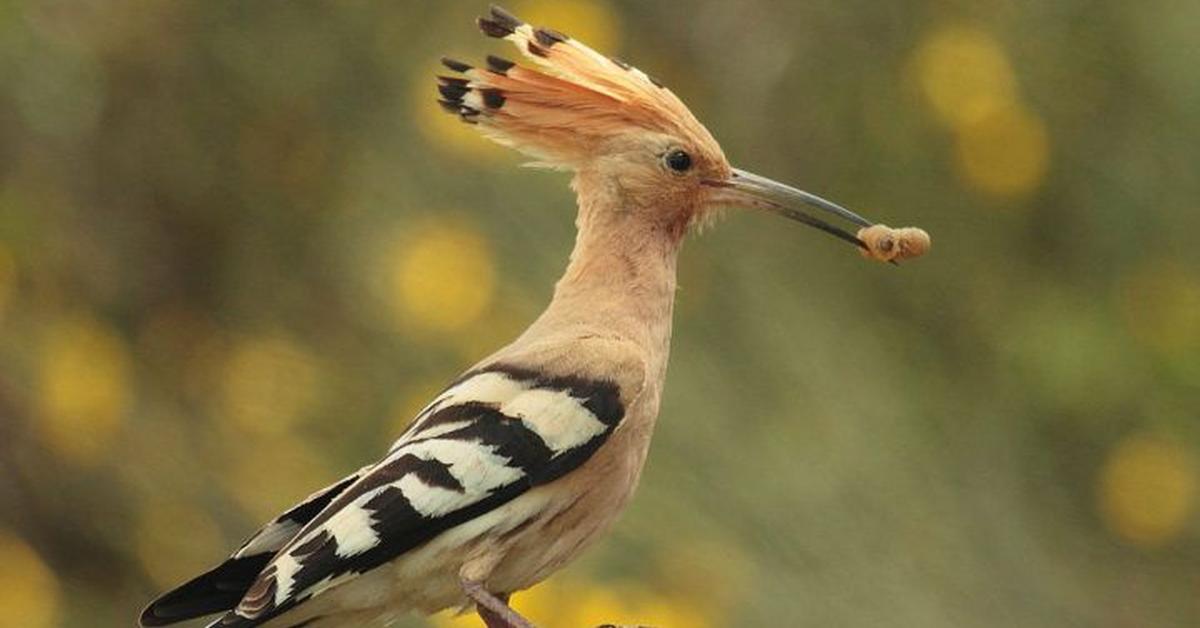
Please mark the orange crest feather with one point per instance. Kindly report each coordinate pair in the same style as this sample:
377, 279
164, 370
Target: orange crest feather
563, 115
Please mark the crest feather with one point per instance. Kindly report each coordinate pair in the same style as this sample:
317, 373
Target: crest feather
561, 113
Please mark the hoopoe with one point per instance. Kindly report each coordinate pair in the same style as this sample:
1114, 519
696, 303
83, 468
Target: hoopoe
526, 459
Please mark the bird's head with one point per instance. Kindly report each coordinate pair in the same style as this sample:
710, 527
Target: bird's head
627, 138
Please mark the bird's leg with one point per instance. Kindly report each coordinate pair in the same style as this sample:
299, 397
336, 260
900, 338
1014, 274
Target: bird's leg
493, 610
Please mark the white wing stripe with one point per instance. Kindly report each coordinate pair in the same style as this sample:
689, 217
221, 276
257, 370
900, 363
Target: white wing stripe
432, 501
488, 387
286, 567
351, 526
560, 419
478, 468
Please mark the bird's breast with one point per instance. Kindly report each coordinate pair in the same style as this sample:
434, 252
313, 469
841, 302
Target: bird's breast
568, 515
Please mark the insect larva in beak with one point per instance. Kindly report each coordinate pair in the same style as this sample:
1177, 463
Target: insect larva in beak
887, 244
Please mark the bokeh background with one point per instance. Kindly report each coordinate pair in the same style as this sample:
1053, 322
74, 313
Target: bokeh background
240, 245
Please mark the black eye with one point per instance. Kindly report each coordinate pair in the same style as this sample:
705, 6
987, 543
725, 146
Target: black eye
678, 160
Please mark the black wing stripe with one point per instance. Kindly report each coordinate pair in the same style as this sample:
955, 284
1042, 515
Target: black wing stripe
397, 524
600, 397
449, 415
306, 510
507, 436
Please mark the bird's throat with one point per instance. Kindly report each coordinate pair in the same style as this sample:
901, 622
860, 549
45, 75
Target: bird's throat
620, 279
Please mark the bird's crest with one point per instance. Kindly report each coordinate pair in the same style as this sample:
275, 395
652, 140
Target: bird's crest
567, 112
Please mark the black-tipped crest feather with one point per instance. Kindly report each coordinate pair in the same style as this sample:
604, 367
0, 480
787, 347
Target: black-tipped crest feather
535, 49
492, 97
453, 93
457, 66
493, 29
548, 36
504, 18
499, 65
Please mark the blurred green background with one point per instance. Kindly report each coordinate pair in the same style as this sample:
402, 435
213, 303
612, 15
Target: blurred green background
240, 245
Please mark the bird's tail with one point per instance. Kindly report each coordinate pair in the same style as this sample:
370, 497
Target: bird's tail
221, 588
217, 590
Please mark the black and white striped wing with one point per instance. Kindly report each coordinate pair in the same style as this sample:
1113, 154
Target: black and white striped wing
494, 434
223, 586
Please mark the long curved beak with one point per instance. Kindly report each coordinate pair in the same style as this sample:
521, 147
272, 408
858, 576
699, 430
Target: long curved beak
746, 189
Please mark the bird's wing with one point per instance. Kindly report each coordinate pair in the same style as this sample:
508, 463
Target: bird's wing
223, 586
495, 433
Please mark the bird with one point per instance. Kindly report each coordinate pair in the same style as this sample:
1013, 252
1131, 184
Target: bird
528, 457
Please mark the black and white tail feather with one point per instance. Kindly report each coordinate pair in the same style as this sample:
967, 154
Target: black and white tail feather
489, 437
222, 587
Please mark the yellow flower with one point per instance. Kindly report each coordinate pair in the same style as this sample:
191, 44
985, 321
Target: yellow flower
1002, 148
29, 592
1005, 152
443, 278
964, 74
269, 383
669, 613
83, 388
595, 605
574, 602
1147, 489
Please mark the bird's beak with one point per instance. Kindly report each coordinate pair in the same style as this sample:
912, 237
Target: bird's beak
746, 189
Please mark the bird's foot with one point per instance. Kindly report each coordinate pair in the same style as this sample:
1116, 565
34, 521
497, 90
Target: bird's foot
494, 609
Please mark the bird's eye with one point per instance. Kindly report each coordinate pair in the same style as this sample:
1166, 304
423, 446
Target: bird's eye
678, 160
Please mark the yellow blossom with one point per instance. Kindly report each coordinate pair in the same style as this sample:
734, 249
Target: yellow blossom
29, 592
1004, 153
442, 277
269, 383
83, 388
568, 601
964, 74
1147, 489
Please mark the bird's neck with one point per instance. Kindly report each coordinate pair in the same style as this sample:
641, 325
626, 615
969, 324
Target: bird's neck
620, 279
